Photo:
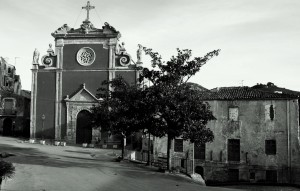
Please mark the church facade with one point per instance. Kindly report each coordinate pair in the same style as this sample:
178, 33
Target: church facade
65, 83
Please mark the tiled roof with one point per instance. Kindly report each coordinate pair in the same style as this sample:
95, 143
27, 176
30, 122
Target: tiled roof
270, 87
26, 93
244, 93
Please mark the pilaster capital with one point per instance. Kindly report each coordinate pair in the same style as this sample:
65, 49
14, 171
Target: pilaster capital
59, 43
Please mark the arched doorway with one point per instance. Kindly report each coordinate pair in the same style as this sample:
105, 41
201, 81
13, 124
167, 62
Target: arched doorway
7, 127
83, 127
199, 170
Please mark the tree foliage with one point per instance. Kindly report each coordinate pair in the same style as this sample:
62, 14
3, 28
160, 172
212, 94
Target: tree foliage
169, 107
114, 111
178, 105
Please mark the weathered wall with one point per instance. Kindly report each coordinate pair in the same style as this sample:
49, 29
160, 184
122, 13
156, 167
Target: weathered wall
295, 142
253, 127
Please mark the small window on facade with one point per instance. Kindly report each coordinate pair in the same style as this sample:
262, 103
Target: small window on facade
9, 70
271, 147
271, 176
178, 145
233, 150
233, 113
271, 112
199, 152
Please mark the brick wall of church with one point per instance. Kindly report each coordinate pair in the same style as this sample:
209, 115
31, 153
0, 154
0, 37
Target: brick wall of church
129, 76
71, 83
72, 80
46, 104
70, 62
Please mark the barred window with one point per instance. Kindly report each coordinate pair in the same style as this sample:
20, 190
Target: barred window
200, 152
178, 145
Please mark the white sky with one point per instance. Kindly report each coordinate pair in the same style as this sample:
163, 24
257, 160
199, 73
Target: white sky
259, 40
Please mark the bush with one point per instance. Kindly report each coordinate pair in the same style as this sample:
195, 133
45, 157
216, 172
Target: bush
7, 170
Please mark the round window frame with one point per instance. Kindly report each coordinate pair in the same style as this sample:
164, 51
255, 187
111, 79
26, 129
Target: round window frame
79, 52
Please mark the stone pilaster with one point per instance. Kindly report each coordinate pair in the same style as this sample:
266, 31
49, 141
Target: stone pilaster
58, 84
111, 71
33, 102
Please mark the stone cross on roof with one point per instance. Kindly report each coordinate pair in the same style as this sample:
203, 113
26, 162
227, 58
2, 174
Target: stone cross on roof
88, 7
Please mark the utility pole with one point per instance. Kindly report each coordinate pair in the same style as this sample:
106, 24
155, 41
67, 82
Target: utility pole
16, 61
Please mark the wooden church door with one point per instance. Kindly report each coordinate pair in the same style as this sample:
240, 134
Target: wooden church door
83, 127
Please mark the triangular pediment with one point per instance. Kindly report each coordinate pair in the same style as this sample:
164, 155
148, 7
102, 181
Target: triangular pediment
83, 95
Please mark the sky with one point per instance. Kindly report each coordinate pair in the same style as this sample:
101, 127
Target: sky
259, 40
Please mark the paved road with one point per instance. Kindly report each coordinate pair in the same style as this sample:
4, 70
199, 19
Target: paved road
51, 168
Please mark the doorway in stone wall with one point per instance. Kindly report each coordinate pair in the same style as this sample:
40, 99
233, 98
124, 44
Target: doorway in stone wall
7, 127
83, 127
199, 170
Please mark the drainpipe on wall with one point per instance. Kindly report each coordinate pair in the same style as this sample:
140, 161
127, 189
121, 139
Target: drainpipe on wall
288, 139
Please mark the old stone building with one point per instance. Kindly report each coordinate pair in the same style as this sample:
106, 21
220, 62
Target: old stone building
9, 81
256, 138
14, 102
65, 84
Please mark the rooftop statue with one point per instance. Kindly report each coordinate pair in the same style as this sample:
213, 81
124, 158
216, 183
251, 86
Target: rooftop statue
139, 54
36, 56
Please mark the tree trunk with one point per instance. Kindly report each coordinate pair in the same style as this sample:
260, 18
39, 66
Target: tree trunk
149, 150
123, 147
168, 154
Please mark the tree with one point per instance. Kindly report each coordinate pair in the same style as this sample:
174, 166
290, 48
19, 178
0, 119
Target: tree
7, 170
178, 107
114, 113
169, 107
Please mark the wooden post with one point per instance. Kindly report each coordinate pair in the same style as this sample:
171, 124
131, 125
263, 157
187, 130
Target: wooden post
149, 150
168, 154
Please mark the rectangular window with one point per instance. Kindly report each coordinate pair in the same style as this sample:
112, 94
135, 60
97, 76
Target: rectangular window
252, 175
271, 175
233, 113
199, 152
178, 145
270, 147
270, 112
233, 150
233, 175
182, 163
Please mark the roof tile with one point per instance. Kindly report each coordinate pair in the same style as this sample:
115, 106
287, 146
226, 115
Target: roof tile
235, 93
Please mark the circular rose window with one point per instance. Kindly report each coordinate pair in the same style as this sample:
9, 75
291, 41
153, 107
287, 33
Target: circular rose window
86, 56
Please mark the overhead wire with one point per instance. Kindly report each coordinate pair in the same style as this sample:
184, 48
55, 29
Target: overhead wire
77, 18
99, 16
